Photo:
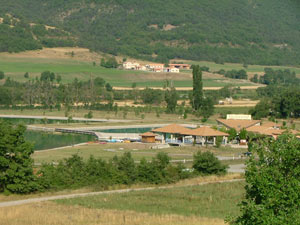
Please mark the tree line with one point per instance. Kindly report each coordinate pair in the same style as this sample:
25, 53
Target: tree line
17, 176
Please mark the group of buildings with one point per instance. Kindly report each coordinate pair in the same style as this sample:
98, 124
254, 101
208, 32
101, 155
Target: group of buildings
177, 134
155, 67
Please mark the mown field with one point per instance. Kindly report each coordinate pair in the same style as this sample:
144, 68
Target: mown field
138, 151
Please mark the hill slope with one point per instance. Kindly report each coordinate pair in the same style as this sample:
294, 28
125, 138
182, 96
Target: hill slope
249, 31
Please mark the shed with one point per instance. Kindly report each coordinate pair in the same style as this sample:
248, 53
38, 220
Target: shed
148, 137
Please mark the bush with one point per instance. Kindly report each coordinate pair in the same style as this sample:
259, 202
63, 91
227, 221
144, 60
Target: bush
206, 164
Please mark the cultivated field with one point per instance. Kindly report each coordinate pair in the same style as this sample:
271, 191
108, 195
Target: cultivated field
80, 66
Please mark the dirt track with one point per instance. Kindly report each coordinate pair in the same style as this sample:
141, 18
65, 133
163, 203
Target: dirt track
186, 88
42, 199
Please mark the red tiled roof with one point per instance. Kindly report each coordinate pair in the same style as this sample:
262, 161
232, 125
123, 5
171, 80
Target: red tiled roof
238, 124
172, 129
206, 132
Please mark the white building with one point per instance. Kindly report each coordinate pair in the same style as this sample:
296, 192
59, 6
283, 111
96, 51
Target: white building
131, 65
172, 70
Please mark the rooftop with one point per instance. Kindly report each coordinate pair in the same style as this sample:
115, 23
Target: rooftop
238, 124
206, 132
172, 129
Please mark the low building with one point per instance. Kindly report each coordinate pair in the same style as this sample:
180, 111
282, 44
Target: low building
156, 67
270, 129
171, 70
181, 135
148, 137
131, 65
172, 133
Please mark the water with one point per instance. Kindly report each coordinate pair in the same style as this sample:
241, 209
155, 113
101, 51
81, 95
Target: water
45, 140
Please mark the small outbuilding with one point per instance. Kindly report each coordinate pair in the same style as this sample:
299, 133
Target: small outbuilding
148, 137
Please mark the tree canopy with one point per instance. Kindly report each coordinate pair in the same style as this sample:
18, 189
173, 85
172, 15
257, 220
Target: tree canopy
273, 183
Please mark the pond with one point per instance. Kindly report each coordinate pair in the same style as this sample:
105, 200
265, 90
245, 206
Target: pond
46, 140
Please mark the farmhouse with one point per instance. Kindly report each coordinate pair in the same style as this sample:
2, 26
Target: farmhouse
156, 67
131, 65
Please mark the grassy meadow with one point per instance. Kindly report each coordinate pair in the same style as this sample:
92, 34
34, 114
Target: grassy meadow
211, 201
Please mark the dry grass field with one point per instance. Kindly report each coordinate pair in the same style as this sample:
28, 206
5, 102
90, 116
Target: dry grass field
49, 213
196, 206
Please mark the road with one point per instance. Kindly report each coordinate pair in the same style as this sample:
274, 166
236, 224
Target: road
191, 88
68, 196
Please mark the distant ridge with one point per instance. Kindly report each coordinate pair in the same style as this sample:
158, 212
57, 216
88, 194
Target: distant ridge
246, 31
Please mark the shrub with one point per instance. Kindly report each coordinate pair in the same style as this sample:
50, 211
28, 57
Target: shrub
206, 163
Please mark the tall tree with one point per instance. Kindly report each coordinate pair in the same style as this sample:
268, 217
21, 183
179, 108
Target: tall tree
171, 98
197, 97
273, 183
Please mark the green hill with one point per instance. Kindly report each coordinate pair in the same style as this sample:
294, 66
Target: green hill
247, 31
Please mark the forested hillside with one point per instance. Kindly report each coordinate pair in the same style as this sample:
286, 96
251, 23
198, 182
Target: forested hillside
247, 31
18, 35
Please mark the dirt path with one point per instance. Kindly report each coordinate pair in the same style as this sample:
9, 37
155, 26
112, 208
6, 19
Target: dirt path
187, 88
42, 199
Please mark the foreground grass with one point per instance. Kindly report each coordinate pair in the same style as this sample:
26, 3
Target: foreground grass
211, 201
54, 214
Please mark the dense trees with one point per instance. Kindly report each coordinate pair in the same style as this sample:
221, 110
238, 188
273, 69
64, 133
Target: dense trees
277, 101
206, 163
240, 74
261, 33
272, 190
2, 75
16, 165
109, 63
279, 77
171, 98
